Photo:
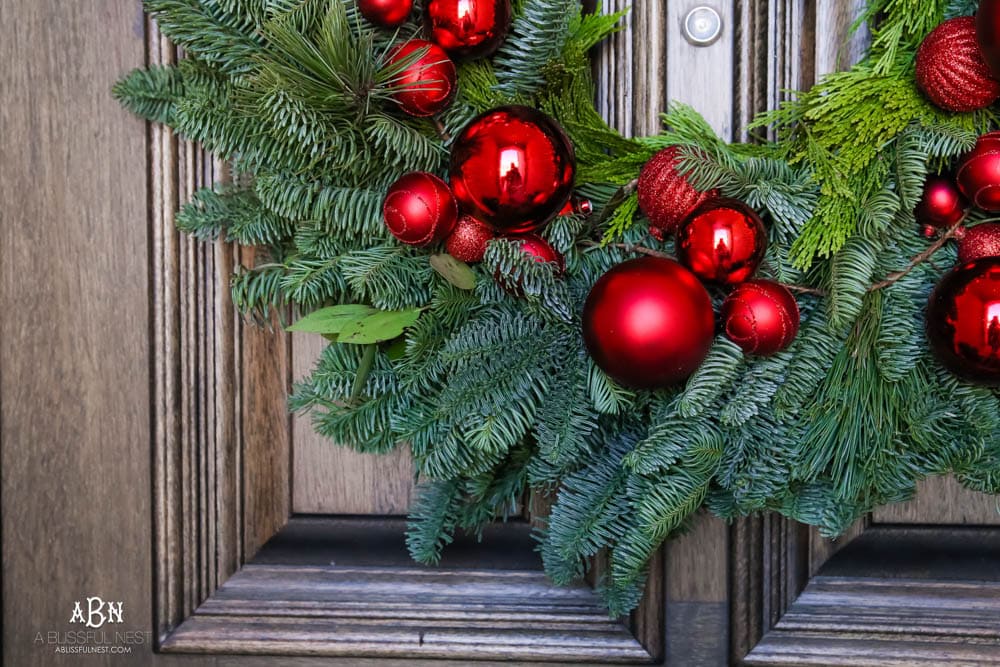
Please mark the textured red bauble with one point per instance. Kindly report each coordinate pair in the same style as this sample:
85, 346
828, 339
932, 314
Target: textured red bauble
951, 71
386, 13
468, 240
723, 241
425, 85
988, 33
760, 316
648, 323
963, 321
468, 28
419, 209
665, 196
513, 168
942, 204
978, 176
980, 241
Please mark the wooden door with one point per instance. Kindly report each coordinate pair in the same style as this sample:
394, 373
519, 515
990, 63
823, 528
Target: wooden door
148, 459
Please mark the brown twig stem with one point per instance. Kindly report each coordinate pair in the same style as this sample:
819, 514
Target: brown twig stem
919, 258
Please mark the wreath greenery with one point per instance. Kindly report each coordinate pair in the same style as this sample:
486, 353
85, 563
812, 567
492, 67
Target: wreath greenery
494, 392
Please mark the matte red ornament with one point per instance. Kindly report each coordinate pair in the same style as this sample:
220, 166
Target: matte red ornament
648, 323
513, 168
942, 204
978, 176
468, 28
951, 71
963, 321
426, 85
722, 242
665, 196
386, 13
988, 33
760, 316
468, 240
419, 209
980, 241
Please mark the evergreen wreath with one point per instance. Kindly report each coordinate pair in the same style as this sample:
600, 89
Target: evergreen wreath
482, 370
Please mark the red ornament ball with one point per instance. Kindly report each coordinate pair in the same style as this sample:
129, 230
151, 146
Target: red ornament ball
468, 240
648, 323
419, 209
951, 71
963, 321
978, 176
760, 316
980, 241
988, 33
665, 196
513, 168
468, 28
386, 13
722, 242
941, 204
540, 249
425, 85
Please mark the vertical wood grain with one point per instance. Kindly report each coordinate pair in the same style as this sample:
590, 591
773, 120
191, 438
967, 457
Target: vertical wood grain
943, 501
74, 292
330, 479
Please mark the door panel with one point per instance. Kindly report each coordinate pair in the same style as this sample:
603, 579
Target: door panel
327, 479
147, 454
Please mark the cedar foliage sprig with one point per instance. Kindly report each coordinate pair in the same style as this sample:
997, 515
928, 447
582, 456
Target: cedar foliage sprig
492, 388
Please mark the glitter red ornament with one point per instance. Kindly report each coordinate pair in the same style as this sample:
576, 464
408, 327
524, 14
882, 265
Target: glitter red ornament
513, 168
760, 316
951, 71
988, 33
419, 209
942, 204
425, 85
978, 176
980, 241
963, 321
723, 241
665, 196
468, 240
468, 28
648, 323
386, 13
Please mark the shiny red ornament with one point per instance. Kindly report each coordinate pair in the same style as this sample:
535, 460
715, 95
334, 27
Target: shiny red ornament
980, 241
978, 176
468, 240
760, 316
988, 33
386, 13
963, 321
665, 196
722, 242
951, 71
419, 209
426, 85
468, 28
942, 204
513, 168
648, 323
540, 249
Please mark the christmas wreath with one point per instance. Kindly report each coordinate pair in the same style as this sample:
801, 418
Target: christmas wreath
643, 326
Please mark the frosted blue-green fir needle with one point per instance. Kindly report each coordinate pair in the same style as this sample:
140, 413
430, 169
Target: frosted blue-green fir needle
491, 388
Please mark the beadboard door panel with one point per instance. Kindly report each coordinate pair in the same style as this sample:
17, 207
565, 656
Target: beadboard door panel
148, 455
